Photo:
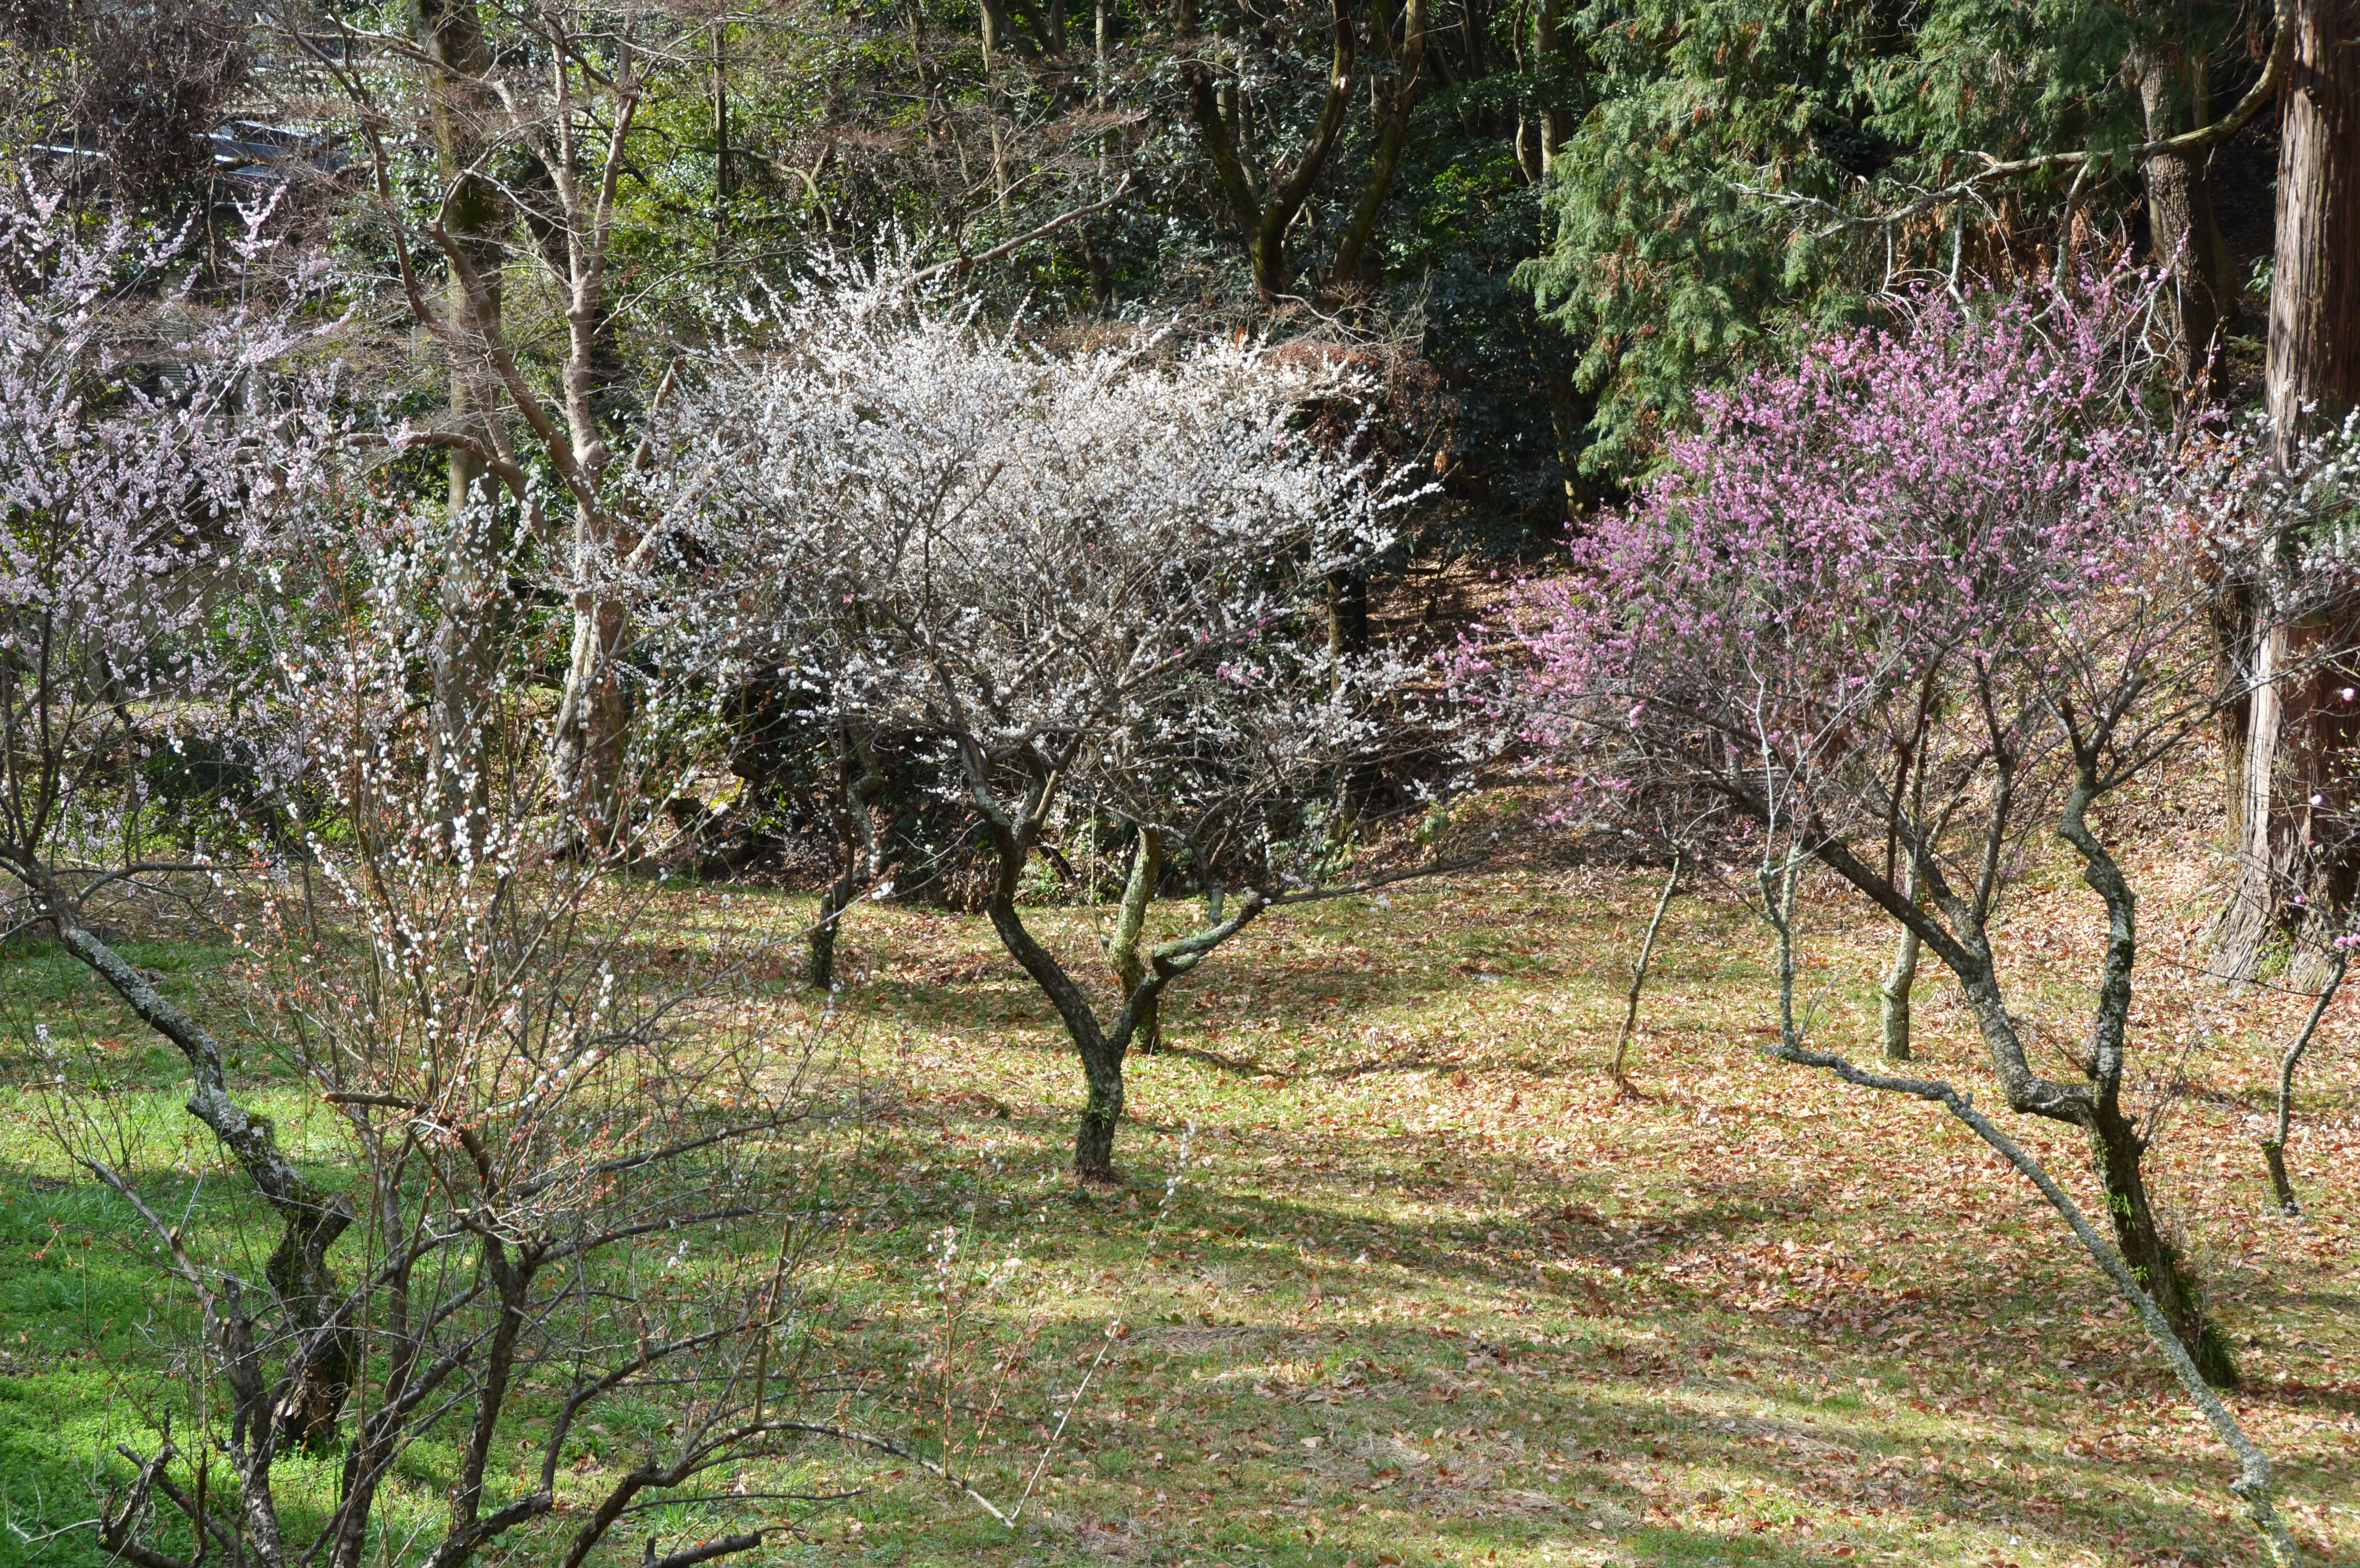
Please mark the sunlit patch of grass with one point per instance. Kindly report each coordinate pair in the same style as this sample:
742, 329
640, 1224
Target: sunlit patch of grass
1423, 1293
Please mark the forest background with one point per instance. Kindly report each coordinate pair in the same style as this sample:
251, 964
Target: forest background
1556, 223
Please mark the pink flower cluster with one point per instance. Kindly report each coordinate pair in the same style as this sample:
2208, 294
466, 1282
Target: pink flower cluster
1936, 494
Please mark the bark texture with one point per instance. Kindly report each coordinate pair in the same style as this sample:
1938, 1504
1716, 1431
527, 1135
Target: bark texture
1131, 967
2314, 348
2202, 301
1956, 928
1263, 215
1390, 102
2293, 788
311, 1219
1899, 981
862, 779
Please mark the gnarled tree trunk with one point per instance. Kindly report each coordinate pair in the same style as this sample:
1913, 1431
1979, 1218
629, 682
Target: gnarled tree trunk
1126, 949
311, 1219
2116, 1147
1264, 216
862, 779
1390, 102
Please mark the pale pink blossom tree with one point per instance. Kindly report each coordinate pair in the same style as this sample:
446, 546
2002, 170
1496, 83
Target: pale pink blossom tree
531, 1139
150, 436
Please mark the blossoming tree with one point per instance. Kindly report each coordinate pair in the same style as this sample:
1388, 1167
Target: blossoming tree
143, 450
530, 1139
1092, 578
1901, 607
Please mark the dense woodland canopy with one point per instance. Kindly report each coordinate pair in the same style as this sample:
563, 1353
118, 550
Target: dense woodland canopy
1556, 228
691, 693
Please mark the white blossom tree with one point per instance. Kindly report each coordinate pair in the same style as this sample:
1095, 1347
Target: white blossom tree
1095, 577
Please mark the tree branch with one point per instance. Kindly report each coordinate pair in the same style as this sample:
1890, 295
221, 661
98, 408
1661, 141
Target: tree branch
2253, 1483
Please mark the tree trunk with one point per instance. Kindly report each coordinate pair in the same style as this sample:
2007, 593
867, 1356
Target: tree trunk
862, 779
1102, 1051
2116, 1147
1900, 981
593, 731
1547, 61
2296, 725
2281, 1184
1526, 47
1101, 1112
594, 715
720, 149
2202, 301
2297, 856
1894, 994
1127, 948
1391, 103
992, 19
2314, 350
311, 1219
1474, 26
2273, 1146
1263, 218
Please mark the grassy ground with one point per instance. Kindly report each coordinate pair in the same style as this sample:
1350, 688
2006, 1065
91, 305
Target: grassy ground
1423, 1290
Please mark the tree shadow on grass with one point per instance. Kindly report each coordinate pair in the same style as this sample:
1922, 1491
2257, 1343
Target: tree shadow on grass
1577, 1449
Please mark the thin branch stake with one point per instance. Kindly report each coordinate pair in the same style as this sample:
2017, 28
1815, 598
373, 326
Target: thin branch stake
1639, 980
2273, 1146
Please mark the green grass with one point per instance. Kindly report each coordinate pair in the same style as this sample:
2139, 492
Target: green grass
1423, 1293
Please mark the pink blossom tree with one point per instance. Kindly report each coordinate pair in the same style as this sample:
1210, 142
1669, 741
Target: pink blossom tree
1900, 608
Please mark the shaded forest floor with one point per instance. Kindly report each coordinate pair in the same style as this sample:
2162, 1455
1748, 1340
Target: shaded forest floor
1426, 1292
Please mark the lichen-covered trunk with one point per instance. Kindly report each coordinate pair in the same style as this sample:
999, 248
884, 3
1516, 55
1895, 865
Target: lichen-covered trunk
1101, 1112
1899, 981
1102, 1052
1556, 123
311, 1219
2116, 1150
2281, 1183
300, 1277
819, 969
1128, 947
